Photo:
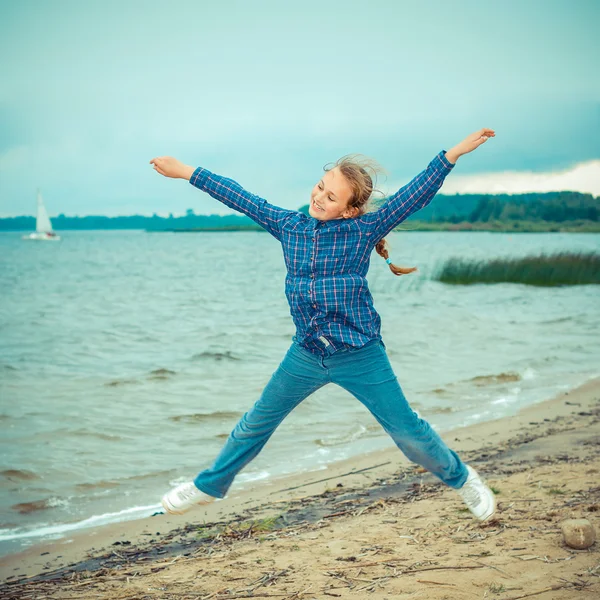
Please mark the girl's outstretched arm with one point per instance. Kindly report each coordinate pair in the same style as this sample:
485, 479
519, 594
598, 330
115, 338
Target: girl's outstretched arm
227, 191
420, 191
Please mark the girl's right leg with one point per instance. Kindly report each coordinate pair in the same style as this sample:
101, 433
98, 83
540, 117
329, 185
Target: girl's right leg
298, 376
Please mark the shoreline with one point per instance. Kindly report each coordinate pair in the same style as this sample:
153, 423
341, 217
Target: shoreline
64, 533
384, 473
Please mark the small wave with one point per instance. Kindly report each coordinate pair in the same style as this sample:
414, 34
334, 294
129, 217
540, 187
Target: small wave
215, 356
151, 475
147, 338
482, 380
26, 508
441, 410
345, 438
161, 374
203, 417
505, 400
118, 382
475, 418
252, 477
107, 437
8, 368
57, 531
558, 320
99, 485
19, 474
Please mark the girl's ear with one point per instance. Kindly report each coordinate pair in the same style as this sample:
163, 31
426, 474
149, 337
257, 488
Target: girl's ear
351, 212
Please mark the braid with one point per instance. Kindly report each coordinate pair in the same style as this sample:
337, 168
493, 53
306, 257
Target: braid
381, 249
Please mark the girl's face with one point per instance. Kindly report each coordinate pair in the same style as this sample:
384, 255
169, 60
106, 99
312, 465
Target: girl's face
329, 198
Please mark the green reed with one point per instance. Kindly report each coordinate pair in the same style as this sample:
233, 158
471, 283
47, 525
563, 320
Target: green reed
565, 268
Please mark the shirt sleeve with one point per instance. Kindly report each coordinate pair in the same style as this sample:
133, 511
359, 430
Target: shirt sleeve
408, 199
232, 194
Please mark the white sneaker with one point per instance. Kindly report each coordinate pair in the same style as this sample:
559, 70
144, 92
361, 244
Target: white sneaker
184, 497
477, 496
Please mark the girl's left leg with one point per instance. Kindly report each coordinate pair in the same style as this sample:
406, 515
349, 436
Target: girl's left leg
367, 374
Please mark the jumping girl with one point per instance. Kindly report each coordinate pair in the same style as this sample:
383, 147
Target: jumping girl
338, 336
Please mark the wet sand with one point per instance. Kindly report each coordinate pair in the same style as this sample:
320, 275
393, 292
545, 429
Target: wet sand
375, 527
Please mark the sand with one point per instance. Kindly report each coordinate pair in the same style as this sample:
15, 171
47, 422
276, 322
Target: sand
377, 527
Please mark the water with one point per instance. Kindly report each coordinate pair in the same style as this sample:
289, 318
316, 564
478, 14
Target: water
127, 357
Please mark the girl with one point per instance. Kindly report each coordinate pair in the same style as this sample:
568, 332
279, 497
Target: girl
338, 336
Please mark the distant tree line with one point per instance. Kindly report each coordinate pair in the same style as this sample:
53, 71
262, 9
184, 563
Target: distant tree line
553, 207
153, 223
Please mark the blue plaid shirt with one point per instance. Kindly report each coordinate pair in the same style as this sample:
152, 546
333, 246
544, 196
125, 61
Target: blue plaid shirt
327, 261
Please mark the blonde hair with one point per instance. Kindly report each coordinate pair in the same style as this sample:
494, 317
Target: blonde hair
361, 174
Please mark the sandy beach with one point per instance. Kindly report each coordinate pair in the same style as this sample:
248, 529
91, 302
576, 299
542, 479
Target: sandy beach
377, 527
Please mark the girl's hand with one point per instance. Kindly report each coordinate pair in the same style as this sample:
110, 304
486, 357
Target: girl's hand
470, 143
171, 167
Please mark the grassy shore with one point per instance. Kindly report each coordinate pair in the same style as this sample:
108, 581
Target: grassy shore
376, 527
560, 269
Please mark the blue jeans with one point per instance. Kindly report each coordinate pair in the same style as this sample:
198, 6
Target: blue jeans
364, 372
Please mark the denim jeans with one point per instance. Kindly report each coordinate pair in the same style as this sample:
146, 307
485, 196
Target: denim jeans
364, 372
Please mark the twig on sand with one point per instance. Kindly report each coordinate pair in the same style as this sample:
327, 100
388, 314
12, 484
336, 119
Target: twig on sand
251, 595
375, 562
378, 581
297, 487
266, 578
435, 582
552, 588
495, 568
409, 571
337, 514
298, 594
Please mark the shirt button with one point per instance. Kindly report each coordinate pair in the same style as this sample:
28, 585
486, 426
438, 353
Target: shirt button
312, 275
314, 306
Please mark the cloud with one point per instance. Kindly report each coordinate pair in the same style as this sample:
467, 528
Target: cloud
583, 177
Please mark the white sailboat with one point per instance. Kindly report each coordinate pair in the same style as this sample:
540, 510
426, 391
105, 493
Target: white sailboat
43, 227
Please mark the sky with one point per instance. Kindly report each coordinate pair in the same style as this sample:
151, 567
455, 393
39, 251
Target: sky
267, 92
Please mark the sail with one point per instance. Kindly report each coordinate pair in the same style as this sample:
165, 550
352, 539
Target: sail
42, 222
